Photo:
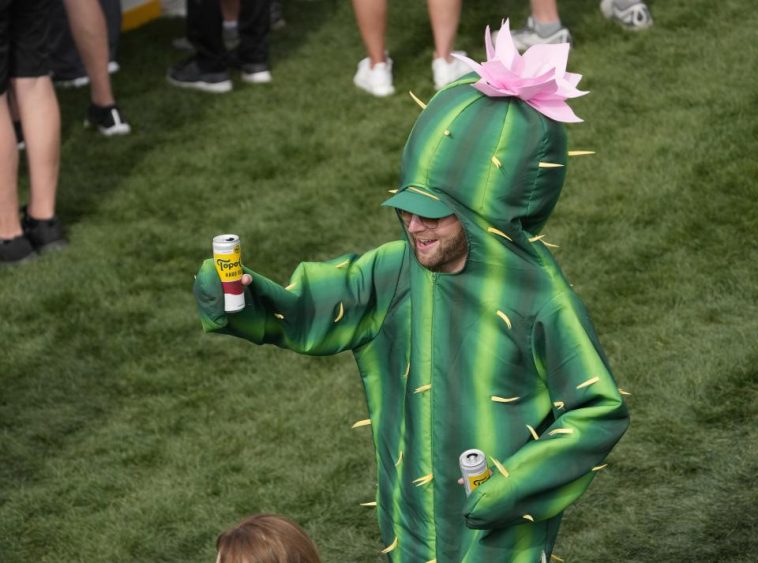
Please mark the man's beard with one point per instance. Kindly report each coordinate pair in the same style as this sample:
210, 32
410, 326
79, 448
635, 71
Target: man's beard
446, 252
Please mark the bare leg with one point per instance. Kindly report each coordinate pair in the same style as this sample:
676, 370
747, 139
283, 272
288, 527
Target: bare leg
40, 118
230, 9
444, 16
371, 16
10, 226
87, 22
545, 11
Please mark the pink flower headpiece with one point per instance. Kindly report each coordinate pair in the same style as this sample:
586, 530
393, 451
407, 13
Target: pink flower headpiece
538, 77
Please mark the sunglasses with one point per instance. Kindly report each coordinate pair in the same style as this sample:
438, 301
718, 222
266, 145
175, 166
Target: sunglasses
429, 223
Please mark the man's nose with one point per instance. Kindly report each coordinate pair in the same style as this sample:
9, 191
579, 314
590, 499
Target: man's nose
415, 225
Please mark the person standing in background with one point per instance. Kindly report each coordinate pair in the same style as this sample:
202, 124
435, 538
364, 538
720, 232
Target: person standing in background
24, 68
207, 69
374, 73
544, 25
83, 42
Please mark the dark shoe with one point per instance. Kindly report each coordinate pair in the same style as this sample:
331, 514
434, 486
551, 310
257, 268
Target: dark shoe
16, 250
187, 74
108, 119
256, 73
44, 235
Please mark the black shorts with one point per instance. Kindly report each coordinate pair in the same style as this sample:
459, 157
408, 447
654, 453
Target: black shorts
23, 39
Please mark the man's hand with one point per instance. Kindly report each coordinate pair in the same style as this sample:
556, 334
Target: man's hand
210, 297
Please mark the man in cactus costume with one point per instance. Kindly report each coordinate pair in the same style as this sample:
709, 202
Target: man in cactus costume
466, 333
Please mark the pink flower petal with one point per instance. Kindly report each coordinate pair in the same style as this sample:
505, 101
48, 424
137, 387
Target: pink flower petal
538, 57
475, 66
488, 44
538, 77
505, 50
490, 91
541, 90
558, 110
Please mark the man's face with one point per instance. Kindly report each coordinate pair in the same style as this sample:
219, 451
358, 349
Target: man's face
439, 244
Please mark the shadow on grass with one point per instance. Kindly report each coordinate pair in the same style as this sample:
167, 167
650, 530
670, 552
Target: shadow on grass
93, 167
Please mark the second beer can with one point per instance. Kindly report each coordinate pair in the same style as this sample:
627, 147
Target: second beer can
474, 469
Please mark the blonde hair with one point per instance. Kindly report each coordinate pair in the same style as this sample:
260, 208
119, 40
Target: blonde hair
266, 538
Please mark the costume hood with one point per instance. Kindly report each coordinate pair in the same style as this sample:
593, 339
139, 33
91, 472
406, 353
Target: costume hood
497, 163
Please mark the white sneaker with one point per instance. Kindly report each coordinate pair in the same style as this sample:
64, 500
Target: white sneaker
527, 36
376, 81
634, 17
446, 72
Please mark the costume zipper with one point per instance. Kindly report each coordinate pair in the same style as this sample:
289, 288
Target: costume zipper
431, 406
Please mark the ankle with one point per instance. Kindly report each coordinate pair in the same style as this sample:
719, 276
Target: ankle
37, 216
10, 234
546, 28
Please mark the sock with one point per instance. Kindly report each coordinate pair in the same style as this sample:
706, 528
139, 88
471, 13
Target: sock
230, 24
546, 29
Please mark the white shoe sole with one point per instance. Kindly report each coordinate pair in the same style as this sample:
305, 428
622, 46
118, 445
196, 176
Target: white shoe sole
78, 82
119, 129
257, 77
210, 87
381, 92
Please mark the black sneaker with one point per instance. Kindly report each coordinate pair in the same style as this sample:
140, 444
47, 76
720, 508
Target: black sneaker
16, 251
108, 119
187, 74
44, 235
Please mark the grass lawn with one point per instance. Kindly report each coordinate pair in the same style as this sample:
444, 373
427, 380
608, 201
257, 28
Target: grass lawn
126, 435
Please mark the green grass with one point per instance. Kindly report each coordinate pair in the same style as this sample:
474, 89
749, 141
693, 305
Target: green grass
127, 435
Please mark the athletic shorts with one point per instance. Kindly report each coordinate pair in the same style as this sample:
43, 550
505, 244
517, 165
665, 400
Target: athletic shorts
23, 39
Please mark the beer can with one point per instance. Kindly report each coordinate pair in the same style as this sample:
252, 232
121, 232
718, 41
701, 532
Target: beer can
228, 261
474, 469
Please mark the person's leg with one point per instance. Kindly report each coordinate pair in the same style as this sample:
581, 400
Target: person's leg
65, 62
40, 119
543, 26
85, 17
371, 16
204, 22
112, 13
444, 16
208, 69
254, 29
374, 73
230, 10
10, 226
545, 11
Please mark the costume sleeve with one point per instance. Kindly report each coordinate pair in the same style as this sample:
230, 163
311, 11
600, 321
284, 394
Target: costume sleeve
548, 474
326, 308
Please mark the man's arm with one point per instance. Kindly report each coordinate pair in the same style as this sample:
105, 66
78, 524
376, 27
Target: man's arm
327, 307
548, 474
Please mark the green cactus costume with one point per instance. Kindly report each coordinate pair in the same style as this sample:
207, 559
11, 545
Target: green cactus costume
500, 356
